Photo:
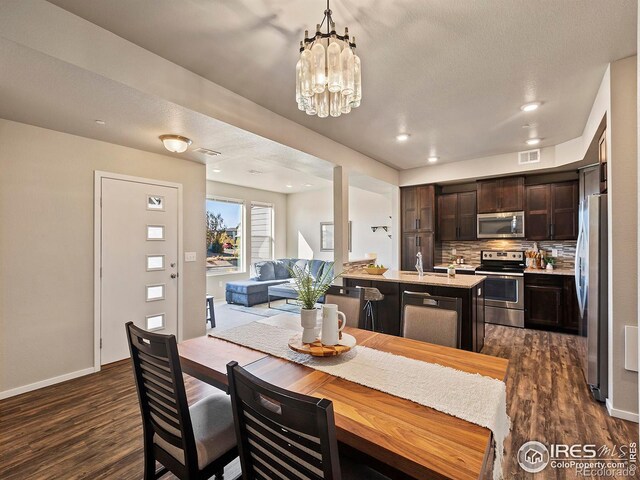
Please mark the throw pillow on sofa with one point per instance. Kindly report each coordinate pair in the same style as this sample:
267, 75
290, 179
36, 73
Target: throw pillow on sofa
281, 270
265, 271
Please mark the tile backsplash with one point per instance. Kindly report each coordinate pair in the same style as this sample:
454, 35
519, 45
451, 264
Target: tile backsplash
470, 250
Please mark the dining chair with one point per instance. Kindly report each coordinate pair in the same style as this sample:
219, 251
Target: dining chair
191, 442
284, 434
431, 319
350, 301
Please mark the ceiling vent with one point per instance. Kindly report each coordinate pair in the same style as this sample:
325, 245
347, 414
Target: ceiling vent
207, 152
255, 172
530, 156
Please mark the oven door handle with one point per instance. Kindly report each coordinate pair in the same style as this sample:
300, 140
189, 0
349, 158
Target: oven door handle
500, 274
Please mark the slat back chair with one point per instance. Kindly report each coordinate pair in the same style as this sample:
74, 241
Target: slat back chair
167, 426
282, 434
432, 319
350, 301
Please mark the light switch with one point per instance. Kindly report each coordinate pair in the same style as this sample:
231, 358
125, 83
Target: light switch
189, 256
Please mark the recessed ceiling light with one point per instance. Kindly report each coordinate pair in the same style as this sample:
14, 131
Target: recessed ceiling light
402, 137
433, 159
308, 184
175, 143
101, 122
288, 185
530, 107
255, 172
216, 170
533, 141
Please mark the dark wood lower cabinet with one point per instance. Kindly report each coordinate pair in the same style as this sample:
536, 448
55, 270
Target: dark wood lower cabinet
550, 303
388, 311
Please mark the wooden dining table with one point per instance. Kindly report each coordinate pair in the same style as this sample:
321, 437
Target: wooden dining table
402, 438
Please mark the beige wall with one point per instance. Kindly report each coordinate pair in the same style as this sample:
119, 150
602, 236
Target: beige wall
623, 231
46, 246
307, 209
216, 283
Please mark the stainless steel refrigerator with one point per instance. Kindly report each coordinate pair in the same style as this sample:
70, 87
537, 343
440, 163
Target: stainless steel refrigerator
592, 289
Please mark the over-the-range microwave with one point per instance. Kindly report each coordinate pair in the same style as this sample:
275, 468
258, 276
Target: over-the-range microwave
501, 225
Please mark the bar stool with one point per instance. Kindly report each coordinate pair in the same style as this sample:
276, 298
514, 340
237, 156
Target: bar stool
371, 294
211, 314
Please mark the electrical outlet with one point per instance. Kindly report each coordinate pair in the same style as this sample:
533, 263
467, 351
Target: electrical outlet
554, 252
220, 284
190, 256
453, 251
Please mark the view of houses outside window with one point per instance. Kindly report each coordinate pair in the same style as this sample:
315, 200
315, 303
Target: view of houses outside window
261, 232
224, 235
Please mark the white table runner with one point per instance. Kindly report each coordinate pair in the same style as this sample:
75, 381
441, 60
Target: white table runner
471, 397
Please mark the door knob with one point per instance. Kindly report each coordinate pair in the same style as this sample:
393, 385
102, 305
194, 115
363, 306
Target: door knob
173, 265
174, 275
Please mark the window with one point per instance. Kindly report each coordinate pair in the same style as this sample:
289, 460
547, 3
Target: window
224, 235
261, 232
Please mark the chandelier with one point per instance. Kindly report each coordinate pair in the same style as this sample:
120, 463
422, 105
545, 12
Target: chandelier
328, 75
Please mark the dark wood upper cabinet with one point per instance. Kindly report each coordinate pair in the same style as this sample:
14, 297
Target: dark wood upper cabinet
512, 194
467, 213
537, 216
552, 211
418, 208
602, 159
488, 201
457, 216
564, 211
448, 216
501, 195
409, 206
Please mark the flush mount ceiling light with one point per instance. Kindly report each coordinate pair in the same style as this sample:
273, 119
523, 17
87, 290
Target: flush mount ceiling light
101, 122
328, 75
288, 185
432, 159
530, 107
308, 185
175, 143
402, 137
216, 170
533, 141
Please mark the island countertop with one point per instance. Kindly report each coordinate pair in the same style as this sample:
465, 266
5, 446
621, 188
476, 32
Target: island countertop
429, 278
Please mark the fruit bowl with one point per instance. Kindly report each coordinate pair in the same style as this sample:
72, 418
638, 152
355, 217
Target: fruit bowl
375, 270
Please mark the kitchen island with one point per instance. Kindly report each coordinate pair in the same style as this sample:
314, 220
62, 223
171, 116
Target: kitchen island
387, 312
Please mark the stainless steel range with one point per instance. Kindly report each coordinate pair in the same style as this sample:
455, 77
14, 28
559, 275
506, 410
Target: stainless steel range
504, 286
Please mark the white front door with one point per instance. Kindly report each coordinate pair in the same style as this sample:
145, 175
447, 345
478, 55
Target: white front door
139, 260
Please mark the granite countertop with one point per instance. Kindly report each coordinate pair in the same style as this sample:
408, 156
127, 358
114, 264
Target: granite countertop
462, 266
429, 278
555, 271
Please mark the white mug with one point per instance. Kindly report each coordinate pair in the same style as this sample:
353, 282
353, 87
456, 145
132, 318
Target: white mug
331, 327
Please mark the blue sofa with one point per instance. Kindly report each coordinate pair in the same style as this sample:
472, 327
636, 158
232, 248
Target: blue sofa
274, 272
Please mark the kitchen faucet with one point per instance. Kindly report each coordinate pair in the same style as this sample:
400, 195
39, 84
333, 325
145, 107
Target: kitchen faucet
419, 266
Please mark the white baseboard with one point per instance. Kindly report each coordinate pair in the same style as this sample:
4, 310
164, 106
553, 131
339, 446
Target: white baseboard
45, 383
623, 414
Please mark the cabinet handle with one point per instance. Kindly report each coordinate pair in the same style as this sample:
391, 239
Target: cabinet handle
417, 244
553, 230
419, 241
417, 224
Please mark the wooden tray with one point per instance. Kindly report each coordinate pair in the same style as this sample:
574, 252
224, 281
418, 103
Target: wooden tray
317, 349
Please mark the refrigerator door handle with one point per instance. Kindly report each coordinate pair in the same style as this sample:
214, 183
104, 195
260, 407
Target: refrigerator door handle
580, 288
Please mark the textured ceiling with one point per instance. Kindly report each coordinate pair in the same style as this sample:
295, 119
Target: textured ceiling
453, 74
40, 90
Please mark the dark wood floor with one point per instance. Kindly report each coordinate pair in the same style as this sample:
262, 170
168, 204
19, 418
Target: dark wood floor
90, 427
548, 397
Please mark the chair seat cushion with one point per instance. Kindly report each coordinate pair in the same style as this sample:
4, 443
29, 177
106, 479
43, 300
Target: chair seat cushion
213, 429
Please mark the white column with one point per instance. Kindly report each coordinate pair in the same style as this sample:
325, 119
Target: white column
340, 218
396, 238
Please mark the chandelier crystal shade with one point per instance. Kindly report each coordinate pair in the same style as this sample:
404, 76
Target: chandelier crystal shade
328, 73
